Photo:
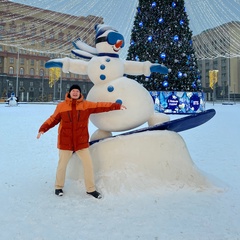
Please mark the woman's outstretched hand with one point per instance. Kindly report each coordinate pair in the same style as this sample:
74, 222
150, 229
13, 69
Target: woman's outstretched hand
39, 135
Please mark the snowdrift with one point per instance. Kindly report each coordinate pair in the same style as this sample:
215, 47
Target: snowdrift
141, 161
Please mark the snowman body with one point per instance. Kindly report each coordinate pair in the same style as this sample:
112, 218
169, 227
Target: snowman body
13, 103
110, 86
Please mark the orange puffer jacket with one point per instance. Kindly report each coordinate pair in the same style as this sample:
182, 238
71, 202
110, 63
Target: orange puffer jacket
73, 117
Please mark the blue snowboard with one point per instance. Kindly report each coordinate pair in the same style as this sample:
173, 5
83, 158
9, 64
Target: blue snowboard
176, 125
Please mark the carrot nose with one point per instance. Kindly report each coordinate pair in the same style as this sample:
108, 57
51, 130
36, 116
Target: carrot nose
118, 44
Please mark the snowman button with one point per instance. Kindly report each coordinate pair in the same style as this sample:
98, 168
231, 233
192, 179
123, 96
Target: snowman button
102, 77
108, 60
102, 66
110, 88
119, 101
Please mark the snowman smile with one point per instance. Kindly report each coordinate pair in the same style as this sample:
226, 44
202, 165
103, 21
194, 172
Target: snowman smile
115, 50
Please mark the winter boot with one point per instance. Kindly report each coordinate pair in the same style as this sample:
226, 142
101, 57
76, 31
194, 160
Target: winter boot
95, 194
59, 192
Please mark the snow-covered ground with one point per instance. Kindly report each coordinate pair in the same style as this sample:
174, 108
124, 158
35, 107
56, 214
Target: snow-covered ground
31, 211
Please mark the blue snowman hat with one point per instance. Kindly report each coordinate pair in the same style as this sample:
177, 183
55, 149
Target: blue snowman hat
102, 28
112, 37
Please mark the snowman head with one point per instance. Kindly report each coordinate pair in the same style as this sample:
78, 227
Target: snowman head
108, 40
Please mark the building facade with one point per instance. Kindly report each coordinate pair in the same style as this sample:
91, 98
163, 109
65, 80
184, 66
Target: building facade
219, 49
29, 37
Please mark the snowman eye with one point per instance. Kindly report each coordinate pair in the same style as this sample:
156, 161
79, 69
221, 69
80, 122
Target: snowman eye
113, 37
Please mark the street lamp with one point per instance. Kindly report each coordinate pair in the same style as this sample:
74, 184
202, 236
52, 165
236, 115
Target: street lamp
42, 84
17, 72
7, 88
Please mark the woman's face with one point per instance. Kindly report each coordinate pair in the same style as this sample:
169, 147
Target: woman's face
75, 94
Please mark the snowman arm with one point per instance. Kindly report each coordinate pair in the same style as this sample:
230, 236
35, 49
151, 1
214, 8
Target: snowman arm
146, 68
137, 68
68, 65
78, 44
82, 54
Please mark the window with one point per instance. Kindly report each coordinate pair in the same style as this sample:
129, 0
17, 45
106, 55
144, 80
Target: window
31, 88
21, 71
22, 61
21, 88
41, 72
33, 30
11, 49
43, 33
23, 29
10, 86
60, 36
32, 62
12, 27
84, 90
68, 75
41, 63
32, 71
10, 70
52, 34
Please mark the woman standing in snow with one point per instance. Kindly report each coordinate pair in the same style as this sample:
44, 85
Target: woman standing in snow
73, 136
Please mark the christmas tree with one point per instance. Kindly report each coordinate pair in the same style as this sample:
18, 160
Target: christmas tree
161, 34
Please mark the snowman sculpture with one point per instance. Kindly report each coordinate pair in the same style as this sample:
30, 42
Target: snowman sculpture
137, 161
12, 101
106, 70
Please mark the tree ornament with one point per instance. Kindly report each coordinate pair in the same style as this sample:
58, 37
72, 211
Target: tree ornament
165, 83
154, 4
163, 56
176, 38
180, 74
160, 20
150, 38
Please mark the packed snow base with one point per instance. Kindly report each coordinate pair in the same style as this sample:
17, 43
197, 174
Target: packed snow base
141, 161
30, 210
